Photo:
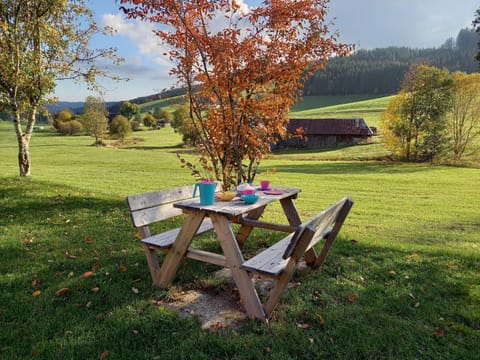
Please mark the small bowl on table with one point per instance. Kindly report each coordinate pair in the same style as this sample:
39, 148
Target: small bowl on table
226, 195
250, 198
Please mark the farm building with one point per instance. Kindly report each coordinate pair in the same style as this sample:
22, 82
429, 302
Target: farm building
326, 132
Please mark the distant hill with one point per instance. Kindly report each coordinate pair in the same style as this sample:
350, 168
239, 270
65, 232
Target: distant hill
367, 72
75, 107
381, 71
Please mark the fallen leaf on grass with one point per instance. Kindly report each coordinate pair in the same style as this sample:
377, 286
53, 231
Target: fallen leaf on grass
95, 266
104, 355
61, 291
95, 289
352, 298
87, 274
439, 332
35, 282
303, 325
135, 290
36, 293
123, 268
88, 240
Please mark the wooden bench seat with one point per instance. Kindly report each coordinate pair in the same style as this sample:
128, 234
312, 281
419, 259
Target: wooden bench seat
149, 208
165, 240
270, 261
280, 260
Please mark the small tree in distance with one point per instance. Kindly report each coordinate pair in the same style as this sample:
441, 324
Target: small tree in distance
62, 116
129, 109
120, 127
242, 69
414, 123
181, 123
149, 120
94, 118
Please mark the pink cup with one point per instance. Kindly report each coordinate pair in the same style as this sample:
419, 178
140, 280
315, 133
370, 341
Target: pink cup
249, 191
264, 184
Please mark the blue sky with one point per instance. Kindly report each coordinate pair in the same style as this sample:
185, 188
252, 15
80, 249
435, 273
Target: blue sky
365, 23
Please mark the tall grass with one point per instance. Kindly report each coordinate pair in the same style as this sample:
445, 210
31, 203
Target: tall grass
402, 281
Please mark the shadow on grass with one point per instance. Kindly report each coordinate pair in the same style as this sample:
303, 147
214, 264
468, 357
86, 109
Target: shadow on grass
348, 168
177, 146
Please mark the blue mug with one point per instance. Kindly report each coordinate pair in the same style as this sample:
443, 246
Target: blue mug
207, 192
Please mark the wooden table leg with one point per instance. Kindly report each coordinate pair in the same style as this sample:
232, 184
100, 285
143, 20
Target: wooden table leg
294, 219
174, 257
291, 212
231, 250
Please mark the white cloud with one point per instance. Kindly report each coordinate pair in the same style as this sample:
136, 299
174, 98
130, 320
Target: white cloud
139, 33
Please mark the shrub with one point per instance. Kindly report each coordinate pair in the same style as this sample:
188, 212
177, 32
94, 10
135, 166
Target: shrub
120, 127
72, 127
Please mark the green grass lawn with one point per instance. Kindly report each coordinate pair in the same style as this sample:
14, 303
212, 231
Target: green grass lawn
401, 282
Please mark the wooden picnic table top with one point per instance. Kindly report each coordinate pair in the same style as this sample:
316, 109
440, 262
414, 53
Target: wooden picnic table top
236, 207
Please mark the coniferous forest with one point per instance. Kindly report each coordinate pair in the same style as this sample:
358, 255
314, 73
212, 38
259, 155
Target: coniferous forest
380, 71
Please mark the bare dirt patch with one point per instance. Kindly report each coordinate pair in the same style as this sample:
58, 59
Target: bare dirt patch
216, 308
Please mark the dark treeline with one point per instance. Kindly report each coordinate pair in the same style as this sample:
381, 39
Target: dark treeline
380, 71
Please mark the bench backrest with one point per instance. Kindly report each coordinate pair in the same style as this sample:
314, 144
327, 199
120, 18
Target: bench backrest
325, 224
156, 206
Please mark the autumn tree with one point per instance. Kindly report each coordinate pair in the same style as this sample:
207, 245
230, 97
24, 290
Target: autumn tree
464, 122
417, 115
94, 118
242, 70
41, 42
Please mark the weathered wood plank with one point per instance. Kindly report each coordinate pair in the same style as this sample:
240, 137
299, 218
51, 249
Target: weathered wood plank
154, 198
206, 256
269, 261
267, 225
165, 240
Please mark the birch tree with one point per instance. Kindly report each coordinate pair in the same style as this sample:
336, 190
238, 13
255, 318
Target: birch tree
41, 42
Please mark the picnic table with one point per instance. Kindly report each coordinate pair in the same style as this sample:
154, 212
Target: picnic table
277, 262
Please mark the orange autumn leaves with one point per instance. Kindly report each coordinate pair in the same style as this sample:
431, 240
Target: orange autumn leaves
242, 70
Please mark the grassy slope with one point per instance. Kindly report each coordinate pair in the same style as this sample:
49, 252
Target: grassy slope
402, 281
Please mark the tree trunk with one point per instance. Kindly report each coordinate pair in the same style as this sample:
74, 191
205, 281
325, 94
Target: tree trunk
24, 161
23, 140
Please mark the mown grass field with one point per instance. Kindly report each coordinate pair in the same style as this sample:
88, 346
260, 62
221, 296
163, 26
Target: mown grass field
401, 282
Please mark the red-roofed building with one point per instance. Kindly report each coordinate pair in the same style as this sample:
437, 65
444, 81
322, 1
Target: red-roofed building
326, 132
